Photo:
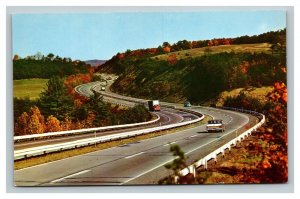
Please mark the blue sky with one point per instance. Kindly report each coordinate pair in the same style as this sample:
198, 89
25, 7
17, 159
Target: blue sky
102, 35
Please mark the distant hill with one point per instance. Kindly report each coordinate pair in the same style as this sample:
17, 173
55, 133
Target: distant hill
200, 78
198, 52
95, 62
199, 71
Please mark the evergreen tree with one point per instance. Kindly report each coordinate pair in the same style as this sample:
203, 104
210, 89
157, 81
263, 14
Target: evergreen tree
55, 100
98, 107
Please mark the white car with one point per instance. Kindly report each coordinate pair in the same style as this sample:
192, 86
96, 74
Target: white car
215, 125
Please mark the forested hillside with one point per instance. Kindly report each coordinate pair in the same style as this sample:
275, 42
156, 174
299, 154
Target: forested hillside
40, 66
202, 77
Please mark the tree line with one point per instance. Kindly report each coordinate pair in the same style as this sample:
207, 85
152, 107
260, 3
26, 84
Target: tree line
40, 66
276, 38
57, 109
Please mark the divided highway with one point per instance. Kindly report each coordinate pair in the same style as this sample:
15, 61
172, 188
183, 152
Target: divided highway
140, 162
166, 116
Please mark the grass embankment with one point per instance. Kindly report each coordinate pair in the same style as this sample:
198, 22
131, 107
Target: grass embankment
231, 168
258, 93
198, 52
20, 164
30, 88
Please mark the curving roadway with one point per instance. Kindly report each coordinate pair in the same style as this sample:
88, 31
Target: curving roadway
136, 163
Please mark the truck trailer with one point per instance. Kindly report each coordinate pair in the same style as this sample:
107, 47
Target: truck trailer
154, 105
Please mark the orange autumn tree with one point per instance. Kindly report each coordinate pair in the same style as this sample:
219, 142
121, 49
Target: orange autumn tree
172, 59
67, 124
21, 127
30, 123
88, 123
36, 122
53, 124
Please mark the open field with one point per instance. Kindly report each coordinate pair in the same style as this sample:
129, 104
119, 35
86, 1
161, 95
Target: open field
197, 52
29, 88
258, 93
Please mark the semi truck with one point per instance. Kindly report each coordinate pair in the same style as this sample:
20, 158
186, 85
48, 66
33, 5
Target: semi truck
154, 105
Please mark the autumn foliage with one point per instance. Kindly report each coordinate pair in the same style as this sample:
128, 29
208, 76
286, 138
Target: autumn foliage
30, 123
67, 110
52, 124
273, 145
172, 59
74, 80
217, 42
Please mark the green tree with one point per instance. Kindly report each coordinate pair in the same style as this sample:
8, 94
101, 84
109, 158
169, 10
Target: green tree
50, 56
176, 166
96, 105
166, 44
55, 100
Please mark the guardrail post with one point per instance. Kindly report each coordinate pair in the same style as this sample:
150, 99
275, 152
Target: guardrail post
205, 164
176, 178
223, 152
95, 139
192, 170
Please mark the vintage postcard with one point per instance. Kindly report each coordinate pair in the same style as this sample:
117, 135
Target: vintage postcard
150, 98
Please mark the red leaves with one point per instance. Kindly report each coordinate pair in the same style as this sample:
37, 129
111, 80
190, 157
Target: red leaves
279, 94
88, 123
167, 49
274, 166
266, 164
217, 42
120, 56
245, 67
74, 80
152, 50
172, 59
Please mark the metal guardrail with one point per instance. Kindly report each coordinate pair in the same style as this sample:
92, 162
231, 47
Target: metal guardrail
24, 153
82, 131
213, 155
20, 154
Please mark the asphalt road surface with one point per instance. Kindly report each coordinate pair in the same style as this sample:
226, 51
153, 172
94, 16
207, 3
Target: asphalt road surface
167, 116
135, 163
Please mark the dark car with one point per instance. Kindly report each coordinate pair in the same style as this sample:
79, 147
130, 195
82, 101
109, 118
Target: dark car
187, 104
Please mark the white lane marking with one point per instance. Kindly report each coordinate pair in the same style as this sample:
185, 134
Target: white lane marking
193, 136
170, 143
69, 176
236, 113
146, 171
134, 155
174, 158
